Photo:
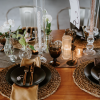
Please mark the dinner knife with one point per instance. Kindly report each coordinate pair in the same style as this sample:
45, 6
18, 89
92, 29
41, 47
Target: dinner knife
25, 74
32, 71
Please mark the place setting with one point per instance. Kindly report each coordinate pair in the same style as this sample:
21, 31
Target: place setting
30, 76
32, 73
87, 76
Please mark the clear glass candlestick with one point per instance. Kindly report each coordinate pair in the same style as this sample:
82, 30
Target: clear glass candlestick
90, 40
40, 50
89, 47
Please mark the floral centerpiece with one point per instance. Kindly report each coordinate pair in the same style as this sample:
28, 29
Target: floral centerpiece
5, 32
5, 29
48, 19
23, 40
5, 36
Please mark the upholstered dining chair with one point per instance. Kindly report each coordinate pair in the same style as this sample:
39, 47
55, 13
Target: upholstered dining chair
63, 17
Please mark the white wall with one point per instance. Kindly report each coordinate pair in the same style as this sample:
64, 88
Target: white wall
52, 6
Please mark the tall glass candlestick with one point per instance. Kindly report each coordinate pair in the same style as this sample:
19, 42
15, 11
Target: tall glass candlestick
40, 46
89, 48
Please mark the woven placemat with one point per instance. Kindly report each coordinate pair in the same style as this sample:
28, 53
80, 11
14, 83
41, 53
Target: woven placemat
43, 92
83, 83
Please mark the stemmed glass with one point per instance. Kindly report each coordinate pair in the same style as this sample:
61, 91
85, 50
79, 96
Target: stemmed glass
9, 50
40, 50
55, 51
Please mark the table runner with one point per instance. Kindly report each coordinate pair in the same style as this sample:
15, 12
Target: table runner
83, 83
43, 92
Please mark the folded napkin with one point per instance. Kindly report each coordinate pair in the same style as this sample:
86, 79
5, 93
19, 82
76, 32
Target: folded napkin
26, 62
26, 93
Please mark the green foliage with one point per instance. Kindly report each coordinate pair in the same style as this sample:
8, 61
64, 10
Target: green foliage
32, 47
14, 36
1, 34
48, 28
19, 36
22, 41
24, 32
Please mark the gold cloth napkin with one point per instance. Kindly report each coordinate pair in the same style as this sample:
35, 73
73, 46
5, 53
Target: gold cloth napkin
26, 93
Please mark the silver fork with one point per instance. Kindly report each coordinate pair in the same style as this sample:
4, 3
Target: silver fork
26, 69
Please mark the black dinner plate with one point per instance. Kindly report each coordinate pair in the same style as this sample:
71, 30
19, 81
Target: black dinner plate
44, 82
94, 72
87, 72
38, 76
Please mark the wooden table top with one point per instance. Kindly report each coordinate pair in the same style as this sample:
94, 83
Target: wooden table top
68, 89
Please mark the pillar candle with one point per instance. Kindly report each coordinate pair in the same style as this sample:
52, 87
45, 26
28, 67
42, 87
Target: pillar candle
66, 46
79, 52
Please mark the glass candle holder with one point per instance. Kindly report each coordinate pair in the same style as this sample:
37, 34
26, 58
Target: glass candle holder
79, 52
66, 46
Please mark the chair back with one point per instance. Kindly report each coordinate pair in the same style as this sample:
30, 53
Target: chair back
63, 17
28, 16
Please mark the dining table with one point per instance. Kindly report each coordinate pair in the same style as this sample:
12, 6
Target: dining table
67, 90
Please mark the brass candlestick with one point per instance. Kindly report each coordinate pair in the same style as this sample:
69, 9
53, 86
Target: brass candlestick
72, 62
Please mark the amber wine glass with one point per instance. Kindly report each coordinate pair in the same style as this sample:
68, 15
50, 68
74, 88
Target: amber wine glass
55, 51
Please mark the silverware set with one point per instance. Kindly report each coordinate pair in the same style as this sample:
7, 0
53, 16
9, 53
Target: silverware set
26, 70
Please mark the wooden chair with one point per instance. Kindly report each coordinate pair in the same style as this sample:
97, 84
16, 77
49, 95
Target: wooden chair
63, 17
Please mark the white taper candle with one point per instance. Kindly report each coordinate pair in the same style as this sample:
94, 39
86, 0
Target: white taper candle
39, 28
92, 16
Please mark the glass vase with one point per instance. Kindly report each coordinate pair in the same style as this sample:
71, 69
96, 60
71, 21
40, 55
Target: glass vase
8, 48
25, 52
47, 41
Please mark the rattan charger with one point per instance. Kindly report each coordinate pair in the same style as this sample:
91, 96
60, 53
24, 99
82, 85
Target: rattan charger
83, 83
43, 92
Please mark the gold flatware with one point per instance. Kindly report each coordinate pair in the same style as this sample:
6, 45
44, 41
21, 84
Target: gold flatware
26, 69
32, 71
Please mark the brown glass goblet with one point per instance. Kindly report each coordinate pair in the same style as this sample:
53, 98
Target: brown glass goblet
55, 51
